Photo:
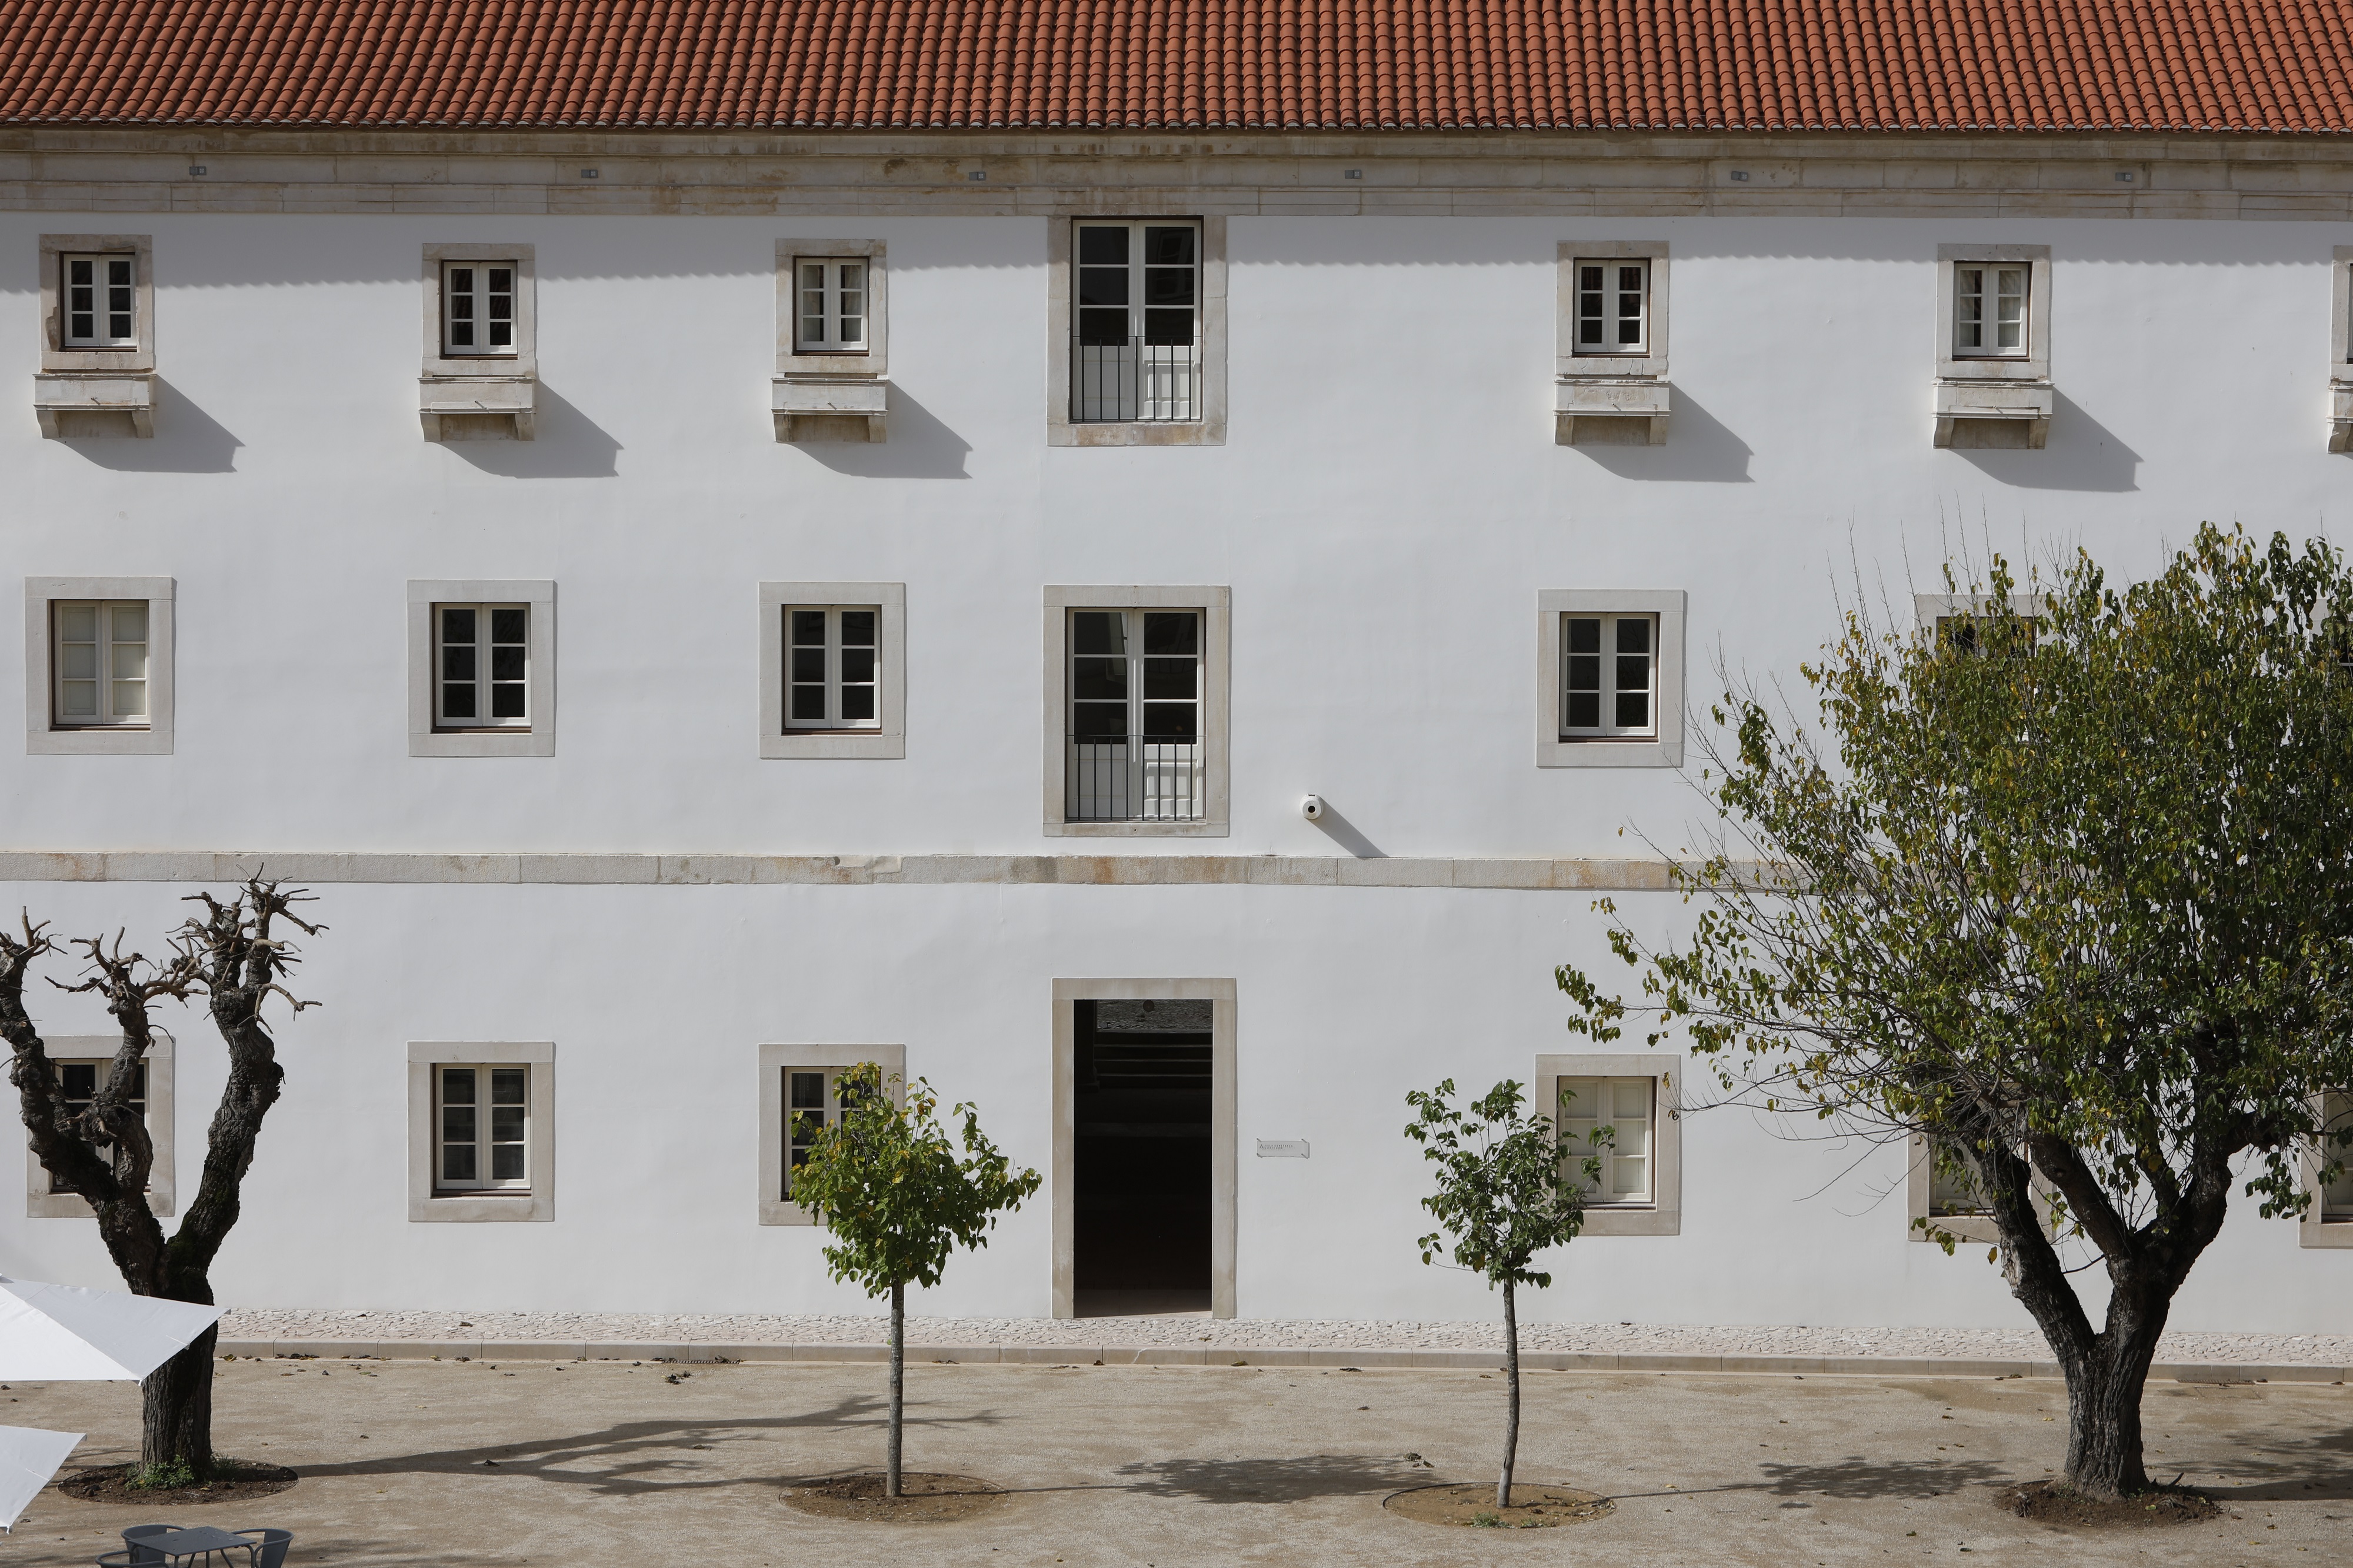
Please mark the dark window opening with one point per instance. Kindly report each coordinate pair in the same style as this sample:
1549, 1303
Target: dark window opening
1142, 1111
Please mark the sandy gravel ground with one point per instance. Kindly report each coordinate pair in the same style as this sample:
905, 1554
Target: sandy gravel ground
2012, 1344
1161, 1467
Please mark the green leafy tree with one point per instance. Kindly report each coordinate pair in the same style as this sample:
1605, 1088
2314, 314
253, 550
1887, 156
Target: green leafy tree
2066, 889
1503, 1197
887, 1182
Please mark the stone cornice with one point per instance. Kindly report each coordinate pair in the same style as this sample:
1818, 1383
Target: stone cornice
64, 168
1528, 874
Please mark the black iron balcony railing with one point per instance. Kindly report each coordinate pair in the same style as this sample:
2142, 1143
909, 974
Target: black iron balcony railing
1133, 778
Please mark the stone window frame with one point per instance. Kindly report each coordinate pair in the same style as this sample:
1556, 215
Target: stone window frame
1609, 388
424, 739
138, 359
1979, 1230
1664, 750
846, 391
425, 1206
43, 735
162, 1176
2340, 350
2314, 1229
889, 742
2033, 366
1930, 610
503, 387
775, 1061
1215, 605
1061, 430
1223, 1144
1664, 1215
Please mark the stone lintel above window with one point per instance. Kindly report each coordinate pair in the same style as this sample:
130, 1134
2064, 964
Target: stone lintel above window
1609, 381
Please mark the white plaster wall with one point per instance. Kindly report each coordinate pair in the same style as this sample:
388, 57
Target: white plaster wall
658, 998
1388, 504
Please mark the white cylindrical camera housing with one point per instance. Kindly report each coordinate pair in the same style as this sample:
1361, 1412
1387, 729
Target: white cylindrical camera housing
1312, 808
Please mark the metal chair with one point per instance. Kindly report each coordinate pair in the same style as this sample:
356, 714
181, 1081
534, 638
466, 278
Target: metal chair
122, 1559
269, 1546
138, 1534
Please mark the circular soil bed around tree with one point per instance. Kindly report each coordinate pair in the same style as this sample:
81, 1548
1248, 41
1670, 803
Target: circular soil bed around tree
926, 1497
1533, 1508
2055, 1502
233, 1481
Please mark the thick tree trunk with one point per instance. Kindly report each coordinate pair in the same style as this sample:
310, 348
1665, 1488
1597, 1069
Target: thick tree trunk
177, 1420
2104, 1394
1512, 1386
897, 1386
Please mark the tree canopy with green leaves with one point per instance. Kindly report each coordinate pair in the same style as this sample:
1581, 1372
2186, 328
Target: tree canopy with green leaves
888, 1183
1503, 1195
2066, 887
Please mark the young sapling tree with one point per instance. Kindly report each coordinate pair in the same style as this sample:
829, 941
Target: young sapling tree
234, 957
888, 1183
1504, 1195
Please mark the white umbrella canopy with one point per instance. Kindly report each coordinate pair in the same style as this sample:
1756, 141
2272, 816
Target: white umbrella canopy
28, 1458
61, 1333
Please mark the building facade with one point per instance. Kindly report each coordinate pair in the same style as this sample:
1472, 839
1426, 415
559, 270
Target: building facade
1161, 629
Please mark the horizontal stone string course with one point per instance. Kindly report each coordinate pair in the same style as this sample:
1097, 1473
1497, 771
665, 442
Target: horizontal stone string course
1169, 1355
1530, 874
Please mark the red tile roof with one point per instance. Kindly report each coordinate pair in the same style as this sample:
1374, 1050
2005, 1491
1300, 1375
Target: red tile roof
2279, 66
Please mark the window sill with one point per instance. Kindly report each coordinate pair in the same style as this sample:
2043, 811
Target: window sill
2011, 411
774, 1213
822, 743
73, 1205
2325, 1233
1972, 1229
536, 741
1217, 828
1631, 1219
1173, 433
488, 405
852, 405
483, 1207
72, 405
1608, 407
1602, 753
99, 739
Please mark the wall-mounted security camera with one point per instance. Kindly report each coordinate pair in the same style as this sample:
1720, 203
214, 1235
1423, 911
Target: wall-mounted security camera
1312, 808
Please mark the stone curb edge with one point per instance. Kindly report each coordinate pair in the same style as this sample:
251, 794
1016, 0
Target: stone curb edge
1166, 1355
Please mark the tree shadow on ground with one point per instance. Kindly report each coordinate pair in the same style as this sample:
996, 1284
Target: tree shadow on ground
1856, 1477
639, 1456
1273, 1480
2296, 1469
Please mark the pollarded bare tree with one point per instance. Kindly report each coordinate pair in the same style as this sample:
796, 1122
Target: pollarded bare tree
231, 956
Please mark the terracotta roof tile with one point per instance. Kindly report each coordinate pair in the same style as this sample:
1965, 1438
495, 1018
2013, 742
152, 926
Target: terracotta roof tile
2271, 65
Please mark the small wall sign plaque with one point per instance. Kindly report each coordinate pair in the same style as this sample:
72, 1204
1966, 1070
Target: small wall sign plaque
1282, 1148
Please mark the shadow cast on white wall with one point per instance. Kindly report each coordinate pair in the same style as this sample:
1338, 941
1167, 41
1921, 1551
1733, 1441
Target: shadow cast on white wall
187, 440
567, 444
919, 447
2081, 453
1347, 836
1700, 448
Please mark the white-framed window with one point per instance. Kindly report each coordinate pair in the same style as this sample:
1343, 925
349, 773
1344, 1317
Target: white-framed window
1639, 1190
1612, 305
97, 299
81, 1063
1625, 1107
98, 665
833, 678
1952, 1192
478, 309
1942, 1198
1136, 328
481, 1131
829, 306
1610, 676
1990, 309
800, 1096
101, 660
481, 666
482, 1138
1135, 684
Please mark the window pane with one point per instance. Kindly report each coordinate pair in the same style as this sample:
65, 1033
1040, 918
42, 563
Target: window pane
458, 663
1103, 329
857, 666
809, 664
1634, 711
808, 704
1099, 680
1098, 631
506, 664
1176, 633
857, 628
1170, 678
1634, 635
79, 661
1584, 637
507, 1162
809, 627
1584, 709
808, 1089
131, 623
130, 699
857, 704
1103, 286
458, 1123
1103, 243
77, 623
457, 1086
458, 1162
507, 622
1099, 721
507, 1085
1630, 1098
458, 701
1633, 672
457, 624
507, 700
78, 1081
1168, 720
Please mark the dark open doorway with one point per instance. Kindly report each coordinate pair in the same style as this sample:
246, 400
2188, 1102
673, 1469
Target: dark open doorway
1142, 1082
